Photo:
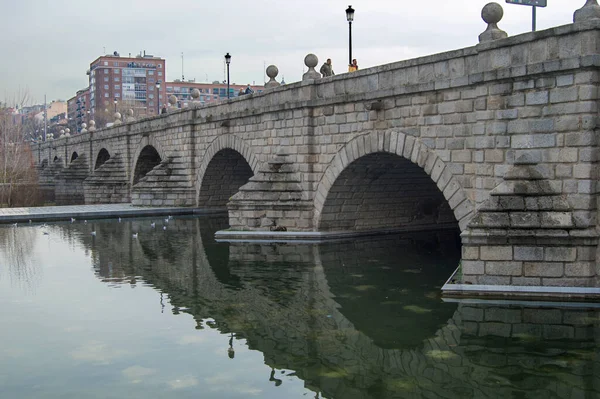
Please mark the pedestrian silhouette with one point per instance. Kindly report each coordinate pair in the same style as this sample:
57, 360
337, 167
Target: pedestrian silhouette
327, 69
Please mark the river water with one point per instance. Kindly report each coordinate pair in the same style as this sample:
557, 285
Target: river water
171, 313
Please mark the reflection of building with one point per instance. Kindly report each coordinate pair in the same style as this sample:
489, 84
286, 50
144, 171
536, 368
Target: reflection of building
209, 92
129, 80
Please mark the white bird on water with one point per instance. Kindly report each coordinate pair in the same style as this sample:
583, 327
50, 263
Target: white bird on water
93, 233
72, 220
153, 225
166, 220
165, 228
135, 235
119, 220
15, 224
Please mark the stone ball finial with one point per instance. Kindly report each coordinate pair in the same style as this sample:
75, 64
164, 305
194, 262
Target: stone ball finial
195, 94
84, 125
117, 115
172, 100
62, 131
590, 11
92, 126
129, 112
272, 72
67, 131
311, 62
67, 134
492, 13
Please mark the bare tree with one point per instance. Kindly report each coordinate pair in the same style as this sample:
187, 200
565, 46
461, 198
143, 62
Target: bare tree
18, 178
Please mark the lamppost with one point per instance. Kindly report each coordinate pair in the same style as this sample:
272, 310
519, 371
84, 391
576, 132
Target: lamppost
157, 96
115, 101
350, 18
227, 61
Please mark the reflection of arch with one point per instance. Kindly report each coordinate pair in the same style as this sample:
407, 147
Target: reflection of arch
102, 157
147, 160
44, 163
411, 149
225, 142
74, 156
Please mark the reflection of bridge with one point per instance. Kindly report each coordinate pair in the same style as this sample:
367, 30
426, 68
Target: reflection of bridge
498, 139
278, 297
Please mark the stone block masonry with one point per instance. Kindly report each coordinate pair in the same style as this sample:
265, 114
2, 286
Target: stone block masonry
498, 140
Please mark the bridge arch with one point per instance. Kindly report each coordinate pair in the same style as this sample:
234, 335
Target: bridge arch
230, 153
74, 156
101, 158
371, 156
148, 155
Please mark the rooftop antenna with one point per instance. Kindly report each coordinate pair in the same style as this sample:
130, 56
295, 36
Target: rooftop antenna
182, 76
103, 50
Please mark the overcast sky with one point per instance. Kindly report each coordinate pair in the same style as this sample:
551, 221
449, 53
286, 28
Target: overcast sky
47, 46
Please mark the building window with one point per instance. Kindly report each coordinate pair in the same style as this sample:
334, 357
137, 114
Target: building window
106, 95
117, 70
151, 103
116, 63
117, 94
150, 80
159, 73
105, 70
105, 63
105, 87
150, 72
117, 79
215, 91
150, 95
106, 78
117, 87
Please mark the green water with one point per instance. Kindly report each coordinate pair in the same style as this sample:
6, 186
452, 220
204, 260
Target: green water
173, 314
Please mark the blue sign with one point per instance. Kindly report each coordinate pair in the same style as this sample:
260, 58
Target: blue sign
535, 3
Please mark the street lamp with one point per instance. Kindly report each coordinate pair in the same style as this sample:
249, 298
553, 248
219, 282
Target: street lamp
227, 61
350, 18
115, 101
157, 96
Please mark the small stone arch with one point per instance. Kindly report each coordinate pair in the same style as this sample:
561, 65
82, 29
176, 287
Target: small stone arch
101, 158
407, 147
145, 142
74, 156
225, 142
44, 163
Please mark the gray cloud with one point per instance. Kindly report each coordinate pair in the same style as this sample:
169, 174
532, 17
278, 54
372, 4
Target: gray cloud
48, 46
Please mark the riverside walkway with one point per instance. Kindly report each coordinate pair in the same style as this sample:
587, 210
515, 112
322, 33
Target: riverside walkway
55, 213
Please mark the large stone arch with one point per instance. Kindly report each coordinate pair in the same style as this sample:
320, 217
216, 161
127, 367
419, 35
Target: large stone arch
225, 142
146, 141
407, 147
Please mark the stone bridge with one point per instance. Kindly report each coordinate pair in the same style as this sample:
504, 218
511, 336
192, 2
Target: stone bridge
497, 140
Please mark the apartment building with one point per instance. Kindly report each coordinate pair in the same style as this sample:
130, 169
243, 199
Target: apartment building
130, 82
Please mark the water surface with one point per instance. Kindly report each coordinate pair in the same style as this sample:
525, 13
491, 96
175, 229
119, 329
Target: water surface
172, 313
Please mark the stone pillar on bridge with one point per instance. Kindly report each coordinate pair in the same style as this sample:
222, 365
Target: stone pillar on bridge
273, 199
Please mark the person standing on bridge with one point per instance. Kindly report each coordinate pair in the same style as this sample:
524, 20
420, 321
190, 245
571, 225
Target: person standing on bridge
327, 69
353, 67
